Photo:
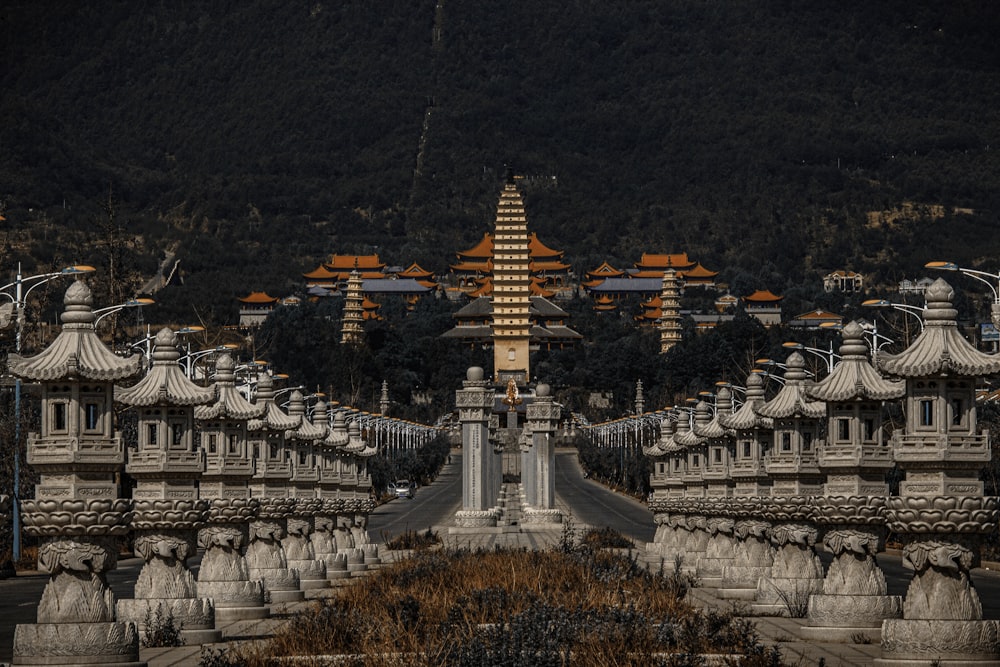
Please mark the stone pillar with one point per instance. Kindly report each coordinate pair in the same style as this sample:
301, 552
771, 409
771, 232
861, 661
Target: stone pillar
543, 419
224, 576
753, 552
76, 513
941, 514
168, 512
265, 555
797, 571
299, 548
480, 486
855, 458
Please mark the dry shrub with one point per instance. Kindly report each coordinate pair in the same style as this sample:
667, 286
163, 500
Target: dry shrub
523, 607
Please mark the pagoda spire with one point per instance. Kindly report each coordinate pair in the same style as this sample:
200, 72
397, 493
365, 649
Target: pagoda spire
352, 332
511, 303
670, 317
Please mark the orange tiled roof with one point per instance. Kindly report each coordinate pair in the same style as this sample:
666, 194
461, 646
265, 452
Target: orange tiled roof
415, 271
661, 261
538, 290
259, 297
547, 266
655, 302
350, 262
647, 273
320, 273
605, 270
483, 249
699, 271
763, 296
819, 314
538, 249
652, 314
479, 266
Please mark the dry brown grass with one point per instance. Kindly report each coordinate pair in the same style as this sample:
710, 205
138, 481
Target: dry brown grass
583, 607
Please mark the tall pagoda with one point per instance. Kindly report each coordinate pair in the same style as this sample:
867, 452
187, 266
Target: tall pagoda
352, 332
511, 304
670, 311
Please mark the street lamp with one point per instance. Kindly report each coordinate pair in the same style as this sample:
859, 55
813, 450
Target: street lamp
826, 355
913, 311
18, 298
981, 276
190, 358
111, 310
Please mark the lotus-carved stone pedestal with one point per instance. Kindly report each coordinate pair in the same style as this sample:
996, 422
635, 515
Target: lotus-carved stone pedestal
324, 541
299, 548
719, 552
942, 614
797, 572
76, 624
224, 576
753, 558
165, 590
265, 555
854, 602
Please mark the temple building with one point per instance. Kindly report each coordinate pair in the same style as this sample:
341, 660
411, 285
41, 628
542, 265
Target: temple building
332, 275
511, 310
473, 277
256, 306
844, 281
549, 330
765, 306
816, 319
607, 284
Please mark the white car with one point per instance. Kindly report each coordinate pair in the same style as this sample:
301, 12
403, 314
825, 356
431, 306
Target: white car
403, 488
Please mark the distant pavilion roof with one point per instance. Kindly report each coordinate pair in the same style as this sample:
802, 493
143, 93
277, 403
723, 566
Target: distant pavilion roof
628, 285
679, 261
262, 298
393, 286
763, 296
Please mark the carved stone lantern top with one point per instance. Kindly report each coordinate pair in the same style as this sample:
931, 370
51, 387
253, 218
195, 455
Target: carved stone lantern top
77, 353
166, 383
792, 400
746, 417
940, 349
274, 418
854, 377
229, 402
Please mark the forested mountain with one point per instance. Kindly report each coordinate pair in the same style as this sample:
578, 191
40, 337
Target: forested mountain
256, 137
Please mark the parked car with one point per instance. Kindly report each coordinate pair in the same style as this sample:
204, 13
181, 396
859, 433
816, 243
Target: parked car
403, 488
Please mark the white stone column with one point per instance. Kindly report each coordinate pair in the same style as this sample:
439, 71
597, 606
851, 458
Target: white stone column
481, 471
543, 420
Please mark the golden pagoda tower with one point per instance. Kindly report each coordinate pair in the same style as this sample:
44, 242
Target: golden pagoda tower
670, 311
511, 290
351, 330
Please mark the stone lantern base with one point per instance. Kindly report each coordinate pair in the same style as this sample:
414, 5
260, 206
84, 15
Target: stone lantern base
845, 618
908, 643
110, 644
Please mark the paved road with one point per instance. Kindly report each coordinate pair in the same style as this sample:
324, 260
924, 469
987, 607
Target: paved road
432, 505
595, 505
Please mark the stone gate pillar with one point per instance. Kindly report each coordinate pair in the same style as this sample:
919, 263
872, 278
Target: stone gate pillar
475, 404
543, 420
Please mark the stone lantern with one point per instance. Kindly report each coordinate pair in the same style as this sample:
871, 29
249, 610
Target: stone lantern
76, 513
224, 576
305, 477
168, 513
855, 456
659, 478
794, 469
718, 492
753, 554
940, 512
323, 540
265, 554
694, 541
